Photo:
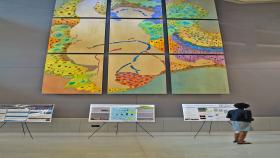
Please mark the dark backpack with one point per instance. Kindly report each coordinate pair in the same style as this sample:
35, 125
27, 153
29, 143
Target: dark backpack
248, 116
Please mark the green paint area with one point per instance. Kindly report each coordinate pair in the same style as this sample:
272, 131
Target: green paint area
181, 9
154, 28
208, 80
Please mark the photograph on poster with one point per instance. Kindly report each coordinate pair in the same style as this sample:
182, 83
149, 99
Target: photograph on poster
121, 113
124, 114
26, 113
41, 113
100, 113
206, 112
16, 115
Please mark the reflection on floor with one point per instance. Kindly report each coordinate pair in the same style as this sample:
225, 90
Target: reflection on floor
138, 145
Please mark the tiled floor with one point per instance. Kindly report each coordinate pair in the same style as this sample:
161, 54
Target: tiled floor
132, 145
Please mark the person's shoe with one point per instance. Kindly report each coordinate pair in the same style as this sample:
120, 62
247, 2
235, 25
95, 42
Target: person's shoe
235, 141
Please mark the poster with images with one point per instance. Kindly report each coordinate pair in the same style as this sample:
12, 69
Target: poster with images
121, 113
26, 113
206, 112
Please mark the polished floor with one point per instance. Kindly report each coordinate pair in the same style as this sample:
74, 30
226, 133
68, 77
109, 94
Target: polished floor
132, 145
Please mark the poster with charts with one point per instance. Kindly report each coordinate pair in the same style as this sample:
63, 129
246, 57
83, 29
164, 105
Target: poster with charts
26, 113
122, 113
206, 112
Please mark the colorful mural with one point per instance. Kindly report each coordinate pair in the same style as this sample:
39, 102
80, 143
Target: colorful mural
69, 35
80, 8
73, 74
140, 36
194, 37
136, 74
191, 9
134, 47
198, 74
136, 9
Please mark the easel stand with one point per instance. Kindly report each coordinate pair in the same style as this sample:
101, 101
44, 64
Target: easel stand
22, 126
117, 129
210, 128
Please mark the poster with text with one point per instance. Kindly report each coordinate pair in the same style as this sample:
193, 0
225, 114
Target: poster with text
206, 112
26, 113
121, 113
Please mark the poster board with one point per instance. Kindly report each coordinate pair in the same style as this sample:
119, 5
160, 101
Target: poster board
26, 112
121, 113
206, 112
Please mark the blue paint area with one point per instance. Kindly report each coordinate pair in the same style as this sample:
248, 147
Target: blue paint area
155, 21
136, 57
181, 42
154, 5
114, 15
136, 70
123, 67
123, 114
157, 12
141, 12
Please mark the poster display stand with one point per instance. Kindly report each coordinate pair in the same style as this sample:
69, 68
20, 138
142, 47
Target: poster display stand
121, 113
23, 114
206, 113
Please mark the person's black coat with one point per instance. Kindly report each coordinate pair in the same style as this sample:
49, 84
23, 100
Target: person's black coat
240, 115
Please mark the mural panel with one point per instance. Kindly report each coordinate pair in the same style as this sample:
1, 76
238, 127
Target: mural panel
191, 9
80, 8
73, 74
136, 36
136, 9
194, 37
77, 36
136, 74
198, 74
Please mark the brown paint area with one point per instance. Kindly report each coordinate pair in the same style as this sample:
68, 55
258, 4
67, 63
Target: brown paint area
56, 85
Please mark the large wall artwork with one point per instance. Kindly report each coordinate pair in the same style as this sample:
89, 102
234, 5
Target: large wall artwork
135, 47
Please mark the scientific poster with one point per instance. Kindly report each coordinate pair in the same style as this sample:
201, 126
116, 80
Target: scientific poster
121, 113
26, 113
206, 112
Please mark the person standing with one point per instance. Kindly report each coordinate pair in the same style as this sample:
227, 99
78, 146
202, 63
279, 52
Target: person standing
241, 122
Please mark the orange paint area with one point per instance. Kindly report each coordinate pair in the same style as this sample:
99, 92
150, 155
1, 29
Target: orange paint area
133, 80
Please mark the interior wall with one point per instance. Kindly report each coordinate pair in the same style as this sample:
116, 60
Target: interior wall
251, 35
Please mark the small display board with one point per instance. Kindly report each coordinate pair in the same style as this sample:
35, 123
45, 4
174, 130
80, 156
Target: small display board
26, 113
206, 112
121, 113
